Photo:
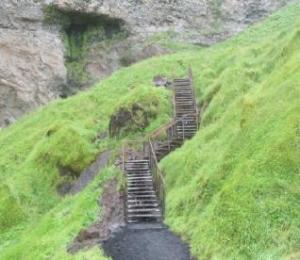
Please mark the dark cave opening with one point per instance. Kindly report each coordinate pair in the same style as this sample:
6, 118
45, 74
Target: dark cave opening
84, 29
80, 32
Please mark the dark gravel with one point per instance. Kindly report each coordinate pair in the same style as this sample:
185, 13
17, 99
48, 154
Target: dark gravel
146, 244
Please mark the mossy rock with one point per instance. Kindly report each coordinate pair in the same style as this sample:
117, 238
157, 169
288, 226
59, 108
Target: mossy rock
130, 120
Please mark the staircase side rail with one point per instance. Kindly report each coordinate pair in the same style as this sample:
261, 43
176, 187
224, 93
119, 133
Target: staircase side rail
191, 77
173, 123
158, 179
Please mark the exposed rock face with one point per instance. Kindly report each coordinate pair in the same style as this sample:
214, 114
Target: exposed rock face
32, 70
33, 58
196, 21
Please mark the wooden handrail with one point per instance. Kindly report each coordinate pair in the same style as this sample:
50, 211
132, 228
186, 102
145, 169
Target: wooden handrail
191, 77
154, 156
158, 178
170, 124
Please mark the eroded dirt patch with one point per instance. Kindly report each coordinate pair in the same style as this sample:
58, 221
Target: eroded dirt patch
110, 221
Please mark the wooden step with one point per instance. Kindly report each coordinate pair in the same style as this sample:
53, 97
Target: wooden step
140, 182
143, 205
143, 210
133, 172
187, 127
141, 193
133, 202
151, 218
141, 185
182, 84
140, 178
188, 103
183, 90
142, 189
138, 174
148, 175
187, 90
133, 167
181, 80
148, 189
149, 215
141, 196
137, 160
184, 105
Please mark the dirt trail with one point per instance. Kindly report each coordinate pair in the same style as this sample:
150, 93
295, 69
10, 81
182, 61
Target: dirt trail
146, 244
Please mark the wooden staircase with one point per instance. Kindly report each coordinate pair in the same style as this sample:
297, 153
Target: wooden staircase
145, 183
185, 123
142, 204
185, 108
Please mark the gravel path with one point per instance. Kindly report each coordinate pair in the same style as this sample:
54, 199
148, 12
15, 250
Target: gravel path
146, 244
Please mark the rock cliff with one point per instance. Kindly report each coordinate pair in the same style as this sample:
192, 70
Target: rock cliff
53, 48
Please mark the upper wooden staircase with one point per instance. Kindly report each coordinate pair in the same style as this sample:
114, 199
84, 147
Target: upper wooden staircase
145, 193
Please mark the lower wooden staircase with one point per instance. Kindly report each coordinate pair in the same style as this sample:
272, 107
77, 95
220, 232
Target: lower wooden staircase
142, 204
145, 183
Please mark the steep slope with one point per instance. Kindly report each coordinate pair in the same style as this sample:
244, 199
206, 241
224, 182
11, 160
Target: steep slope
233, 190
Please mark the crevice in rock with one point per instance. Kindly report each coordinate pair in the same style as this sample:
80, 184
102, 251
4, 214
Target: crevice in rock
80, 33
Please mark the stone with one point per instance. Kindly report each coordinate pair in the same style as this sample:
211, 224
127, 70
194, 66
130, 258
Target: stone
161, 81
88, 234
32, 70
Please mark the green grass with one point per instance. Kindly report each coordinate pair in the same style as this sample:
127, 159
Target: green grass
232, 191
47, 238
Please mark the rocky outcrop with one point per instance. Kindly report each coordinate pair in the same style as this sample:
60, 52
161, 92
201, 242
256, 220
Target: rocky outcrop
196, 21
38, 64
32, 70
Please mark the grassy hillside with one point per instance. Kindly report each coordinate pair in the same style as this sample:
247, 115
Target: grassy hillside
234, 189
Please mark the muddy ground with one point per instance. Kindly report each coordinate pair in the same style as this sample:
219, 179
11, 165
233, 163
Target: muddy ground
146, 244
111, 219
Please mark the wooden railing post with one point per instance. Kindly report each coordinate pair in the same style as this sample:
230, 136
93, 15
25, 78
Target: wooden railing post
123, 159
157, 177
183, 133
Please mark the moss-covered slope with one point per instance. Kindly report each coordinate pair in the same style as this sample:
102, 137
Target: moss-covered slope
233, 190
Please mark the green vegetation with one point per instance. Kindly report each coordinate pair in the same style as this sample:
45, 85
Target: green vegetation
216, 6
232, 191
